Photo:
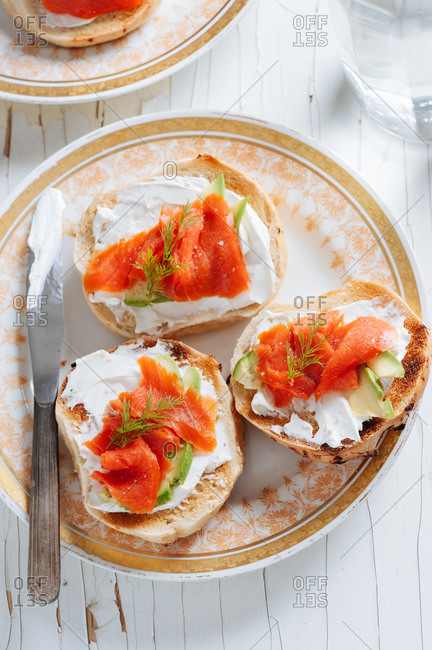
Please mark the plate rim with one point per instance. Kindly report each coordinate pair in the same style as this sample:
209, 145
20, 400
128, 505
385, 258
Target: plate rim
208, 36
331, 156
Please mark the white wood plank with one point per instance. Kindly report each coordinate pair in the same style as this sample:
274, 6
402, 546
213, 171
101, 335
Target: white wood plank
296, 596
37, 621
105, 626
169, 628
202, 615
26, 146
245, 618
395, 507
10, 615
54, 135
352, 587
5, 136
72, 604
136, 598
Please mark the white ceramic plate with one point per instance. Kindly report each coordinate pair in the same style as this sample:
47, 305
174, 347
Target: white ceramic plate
333, 224
174, 35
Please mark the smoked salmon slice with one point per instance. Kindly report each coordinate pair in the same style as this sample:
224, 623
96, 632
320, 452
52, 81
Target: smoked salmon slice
134, 476
131, 474
162, 441
364, 339
89, 8
340, 348
206, 254
193, 420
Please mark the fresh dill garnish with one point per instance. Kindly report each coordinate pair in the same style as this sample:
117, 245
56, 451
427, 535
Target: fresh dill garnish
154, 415
310, 353
156, 268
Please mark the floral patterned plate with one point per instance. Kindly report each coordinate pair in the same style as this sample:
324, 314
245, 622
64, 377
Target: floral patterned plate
176, 33
336, 229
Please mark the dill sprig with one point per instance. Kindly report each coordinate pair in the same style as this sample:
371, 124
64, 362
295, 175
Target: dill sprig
156, 268
154, 415
310, 353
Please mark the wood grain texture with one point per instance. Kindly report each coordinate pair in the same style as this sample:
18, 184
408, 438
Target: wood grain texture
378, 563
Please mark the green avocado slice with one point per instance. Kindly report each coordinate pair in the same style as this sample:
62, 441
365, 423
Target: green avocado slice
192, 379
183, 465
164, 494
386, 366
177, 476
143, 302
367, 398
168, 363
245, 371
238, 210
106, 496
216, 187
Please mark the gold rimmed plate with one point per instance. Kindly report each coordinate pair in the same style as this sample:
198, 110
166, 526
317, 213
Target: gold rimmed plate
336, 230
174, 35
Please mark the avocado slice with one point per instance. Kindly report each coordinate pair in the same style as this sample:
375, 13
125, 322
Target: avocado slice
168, 363
216, 187
106, 496
238, 210
182, 465
386, 366
192, 379
367, 398
177, 476
164, 494
245, 371
144, 302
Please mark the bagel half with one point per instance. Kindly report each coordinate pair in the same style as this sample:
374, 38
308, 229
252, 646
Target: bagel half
212, 490
209, 168
404, 392
107, 27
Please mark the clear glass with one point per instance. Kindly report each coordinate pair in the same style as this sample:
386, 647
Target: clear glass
387, 56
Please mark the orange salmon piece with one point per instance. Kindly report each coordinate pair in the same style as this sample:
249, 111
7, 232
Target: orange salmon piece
193, 420
364, 339
207, 251
89, 8
133, 477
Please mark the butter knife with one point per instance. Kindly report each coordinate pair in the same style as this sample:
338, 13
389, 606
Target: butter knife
45, 331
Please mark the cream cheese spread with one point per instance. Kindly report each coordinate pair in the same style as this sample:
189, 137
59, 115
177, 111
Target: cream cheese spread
44, 240
66, 21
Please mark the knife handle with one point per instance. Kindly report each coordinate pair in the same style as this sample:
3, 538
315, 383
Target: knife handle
44, 539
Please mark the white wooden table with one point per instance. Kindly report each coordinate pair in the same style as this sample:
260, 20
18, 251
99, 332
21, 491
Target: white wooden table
379, 594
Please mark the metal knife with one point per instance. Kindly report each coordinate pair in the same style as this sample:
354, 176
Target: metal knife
45, 329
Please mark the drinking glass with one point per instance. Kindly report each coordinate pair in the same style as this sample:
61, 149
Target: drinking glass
387, 56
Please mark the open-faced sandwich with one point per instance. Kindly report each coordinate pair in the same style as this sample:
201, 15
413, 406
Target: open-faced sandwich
328, 384
172, 257
79, 24
154, 437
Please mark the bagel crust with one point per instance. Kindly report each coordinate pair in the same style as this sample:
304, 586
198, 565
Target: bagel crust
209, 168
107, 27
165, 526
404, 393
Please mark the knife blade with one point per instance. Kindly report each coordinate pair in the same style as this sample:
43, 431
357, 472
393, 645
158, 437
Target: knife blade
45, 331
